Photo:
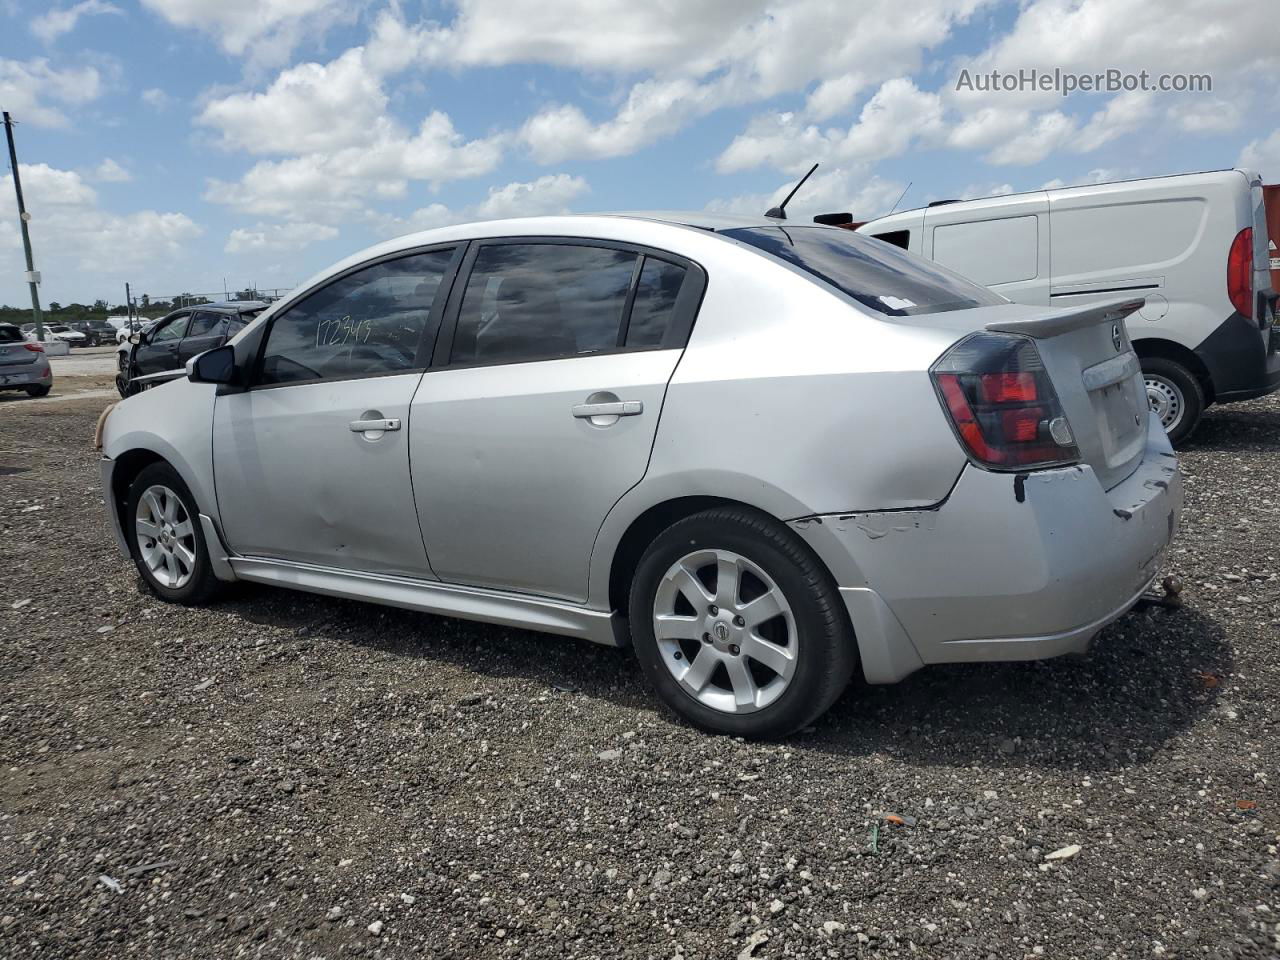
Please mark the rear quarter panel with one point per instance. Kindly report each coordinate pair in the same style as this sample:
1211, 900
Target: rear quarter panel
793, 400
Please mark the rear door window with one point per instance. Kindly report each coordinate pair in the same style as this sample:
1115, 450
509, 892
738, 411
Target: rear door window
204, 323
10, 335
542, 301
654, 307
876, 274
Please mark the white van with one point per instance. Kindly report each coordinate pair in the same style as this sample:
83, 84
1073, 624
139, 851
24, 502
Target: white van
1194, 246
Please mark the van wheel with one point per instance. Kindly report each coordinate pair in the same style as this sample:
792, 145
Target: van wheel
1175, 395
738, 625
162, 524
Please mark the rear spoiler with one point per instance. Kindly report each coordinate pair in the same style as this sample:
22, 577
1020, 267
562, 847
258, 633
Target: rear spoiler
1069, 318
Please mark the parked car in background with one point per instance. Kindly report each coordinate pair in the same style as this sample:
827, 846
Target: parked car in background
862, 457
23, 364
165, 345
96, 332
1194, 246
139, 325
56, 331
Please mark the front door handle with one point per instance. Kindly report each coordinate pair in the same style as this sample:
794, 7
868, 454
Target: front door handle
379, 426
615, 408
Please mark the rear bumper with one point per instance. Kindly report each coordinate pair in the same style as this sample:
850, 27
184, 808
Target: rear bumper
986, 576
36, 374
1243, 361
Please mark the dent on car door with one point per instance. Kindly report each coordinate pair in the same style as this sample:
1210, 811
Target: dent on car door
543, 405
312, 460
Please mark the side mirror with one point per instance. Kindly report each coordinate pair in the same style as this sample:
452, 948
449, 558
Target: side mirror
135, 338
213, 366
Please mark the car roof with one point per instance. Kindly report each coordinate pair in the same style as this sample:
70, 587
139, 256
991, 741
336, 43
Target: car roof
227, 306
705, 219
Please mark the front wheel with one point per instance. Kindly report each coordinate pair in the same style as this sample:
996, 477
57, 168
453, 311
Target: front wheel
1174, 395
162, 524
738, 626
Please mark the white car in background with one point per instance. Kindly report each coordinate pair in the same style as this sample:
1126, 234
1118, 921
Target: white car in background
56, 331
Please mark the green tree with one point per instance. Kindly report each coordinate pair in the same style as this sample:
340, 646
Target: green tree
55, 306
100, 306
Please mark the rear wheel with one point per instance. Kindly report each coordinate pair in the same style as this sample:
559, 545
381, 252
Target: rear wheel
1175, 395
162, 524
738, 626
38, 391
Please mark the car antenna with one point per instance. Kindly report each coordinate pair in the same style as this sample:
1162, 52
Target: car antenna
900, 196
780, 211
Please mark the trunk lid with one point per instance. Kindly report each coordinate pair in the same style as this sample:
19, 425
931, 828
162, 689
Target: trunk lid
16, 354
1098, 378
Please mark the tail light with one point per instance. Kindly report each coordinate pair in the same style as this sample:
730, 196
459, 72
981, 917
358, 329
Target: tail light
1240, 273
1002, 404
34, 347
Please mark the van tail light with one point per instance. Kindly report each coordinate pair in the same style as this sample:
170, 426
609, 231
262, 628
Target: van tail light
34, 347
1002, 404
1240, 273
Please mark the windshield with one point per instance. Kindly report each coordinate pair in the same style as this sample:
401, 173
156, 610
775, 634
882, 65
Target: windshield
876, 274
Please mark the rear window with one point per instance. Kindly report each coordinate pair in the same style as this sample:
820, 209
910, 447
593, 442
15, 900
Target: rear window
10, 335
876, 274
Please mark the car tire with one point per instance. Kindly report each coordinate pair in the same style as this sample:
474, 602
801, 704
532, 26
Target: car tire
1175, 394
733, 692
38, 391
174, 563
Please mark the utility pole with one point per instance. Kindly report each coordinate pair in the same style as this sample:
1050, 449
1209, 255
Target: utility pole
128, 307
33, 278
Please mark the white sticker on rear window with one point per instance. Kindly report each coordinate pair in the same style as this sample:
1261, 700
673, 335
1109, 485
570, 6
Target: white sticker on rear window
897, 303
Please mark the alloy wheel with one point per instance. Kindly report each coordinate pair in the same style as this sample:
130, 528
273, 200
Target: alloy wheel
725, 631
166, 536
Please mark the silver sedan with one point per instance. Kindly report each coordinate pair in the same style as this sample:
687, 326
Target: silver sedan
764, 454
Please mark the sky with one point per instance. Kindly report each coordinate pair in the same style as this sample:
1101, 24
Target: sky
197, 145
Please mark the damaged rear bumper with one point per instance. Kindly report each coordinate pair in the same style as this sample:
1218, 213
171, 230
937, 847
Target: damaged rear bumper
1004, 568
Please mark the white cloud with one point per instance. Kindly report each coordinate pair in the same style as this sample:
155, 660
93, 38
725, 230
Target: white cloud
274, 237
1207, 116
49, 26
653, 109
307, 108
550, 194
330, 187
156, 98
266, 30
27, 86
1051, 131
701, 57
1263, 156
76, 241
898, 115
108, 171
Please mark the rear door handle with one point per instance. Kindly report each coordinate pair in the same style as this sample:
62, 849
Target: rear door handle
616, 408
365, 426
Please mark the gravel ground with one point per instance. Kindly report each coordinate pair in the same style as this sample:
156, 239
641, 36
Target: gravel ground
289, 776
